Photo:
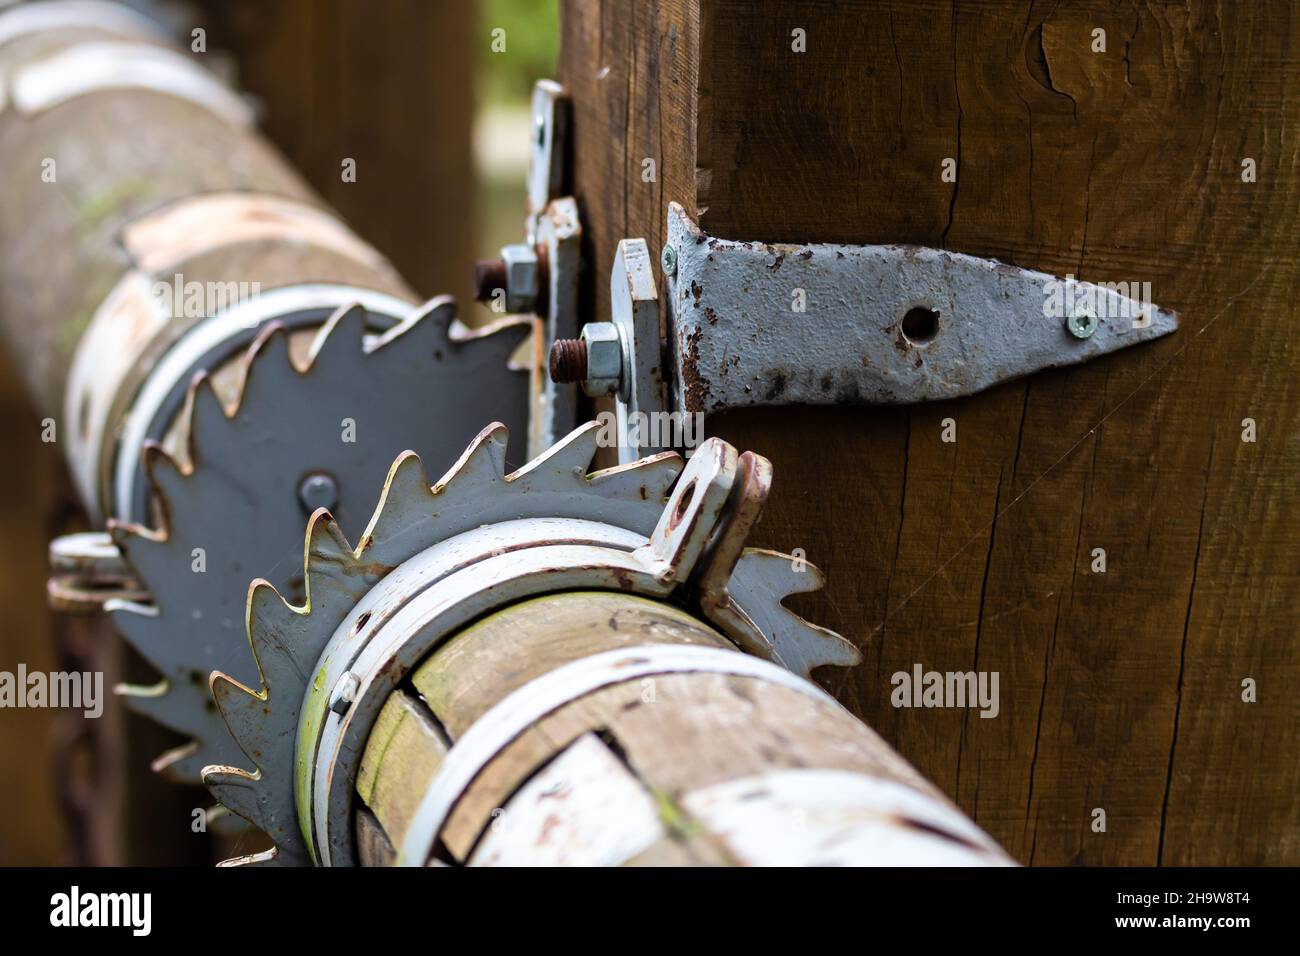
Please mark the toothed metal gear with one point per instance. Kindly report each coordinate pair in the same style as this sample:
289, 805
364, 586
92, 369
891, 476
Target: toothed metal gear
470, 540
233, 511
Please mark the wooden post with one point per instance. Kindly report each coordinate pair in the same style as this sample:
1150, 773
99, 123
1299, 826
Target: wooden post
1116, 144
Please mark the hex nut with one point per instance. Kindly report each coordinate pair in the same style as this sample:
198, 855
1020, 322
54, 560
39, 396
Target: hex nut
604, 359
522, 278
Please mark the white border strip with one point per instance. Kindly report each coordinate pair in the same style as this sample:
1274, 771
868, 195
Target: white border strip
28, 18
525, 706
232, 325
825, 817
103, 65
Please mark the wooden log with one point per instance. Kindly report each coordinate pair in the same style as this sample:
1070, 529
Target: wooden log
653, 771
1160, 157
112, 156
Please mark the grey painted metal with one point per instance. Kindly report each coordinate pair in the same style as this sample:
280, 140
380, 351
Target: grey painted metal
318, 490
547, 170
476, 572
362, 400
634, 312
432, 559
555, 405
523, 279
288, 641
526, 706
604, 359
738, 336
204, 348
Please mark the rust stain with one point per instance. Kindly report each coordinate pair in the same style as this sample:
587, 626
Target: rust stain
696, 387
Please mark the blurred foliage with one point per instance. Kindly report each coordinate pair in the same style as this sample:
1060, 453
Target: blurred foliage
532, 43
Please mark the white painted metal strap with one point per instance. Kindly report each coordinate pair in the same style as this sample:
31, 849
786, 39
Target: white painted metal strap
132, 314
232, 327
27, 19
584, 808
820, 817
524, 707
120, 329
94, 67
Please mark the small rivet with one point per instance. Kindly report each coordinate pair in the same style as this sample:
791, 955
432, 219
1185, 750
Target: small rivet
1081, 322
318, 490
345, 692
668, 259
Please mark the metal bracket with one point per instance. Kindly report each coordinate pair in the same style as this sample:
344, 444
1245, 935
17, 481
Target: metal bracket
751, 323
540, 275
757, 324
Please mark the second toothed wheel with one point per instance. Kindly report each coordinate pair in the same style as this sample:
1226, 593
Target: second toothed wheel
434, 558
298, 437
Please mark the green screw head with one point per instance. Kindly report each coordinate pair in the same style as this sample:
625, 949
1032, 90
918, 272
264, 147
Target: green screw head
1081, 323
668, 259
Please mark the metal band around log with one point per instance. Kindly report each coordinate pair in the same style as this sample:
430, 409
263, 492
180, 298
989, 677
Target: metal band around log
31, 18
826, 817
527, 705
128, 333
214, 338
98, 66
331, 743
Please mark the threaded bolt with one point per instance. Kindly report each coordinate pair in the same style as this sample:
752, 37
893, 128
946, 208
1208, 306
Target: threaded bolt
489, 275
568, 360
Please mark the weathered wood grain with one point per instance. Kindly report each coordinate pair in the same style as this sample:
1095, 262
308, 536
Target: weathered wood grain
1120, 691
675, 733
402, 754
387, 83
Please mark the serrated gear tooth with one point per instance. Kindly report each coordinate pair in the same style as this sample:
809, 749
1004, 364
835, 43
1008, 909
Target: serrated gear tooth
142, 628
335, 579
406, 489
266, 858
207, 415
176, 705
569, 459
147, 552
341, 338
506, 334
650, 478
244, 709
796, 575
432, 320
482, 463
273, 627
240, 792
145, 699
270, 347
767, 578
165, 476
179, 764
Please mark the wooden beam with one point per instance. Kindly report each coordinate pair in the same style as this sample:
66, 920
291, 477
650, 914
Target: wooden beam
1122, 691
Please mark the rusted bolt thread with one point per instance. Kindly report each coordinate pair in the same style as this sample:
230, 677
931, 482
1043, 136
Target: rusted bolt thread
568, 360
489, 275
